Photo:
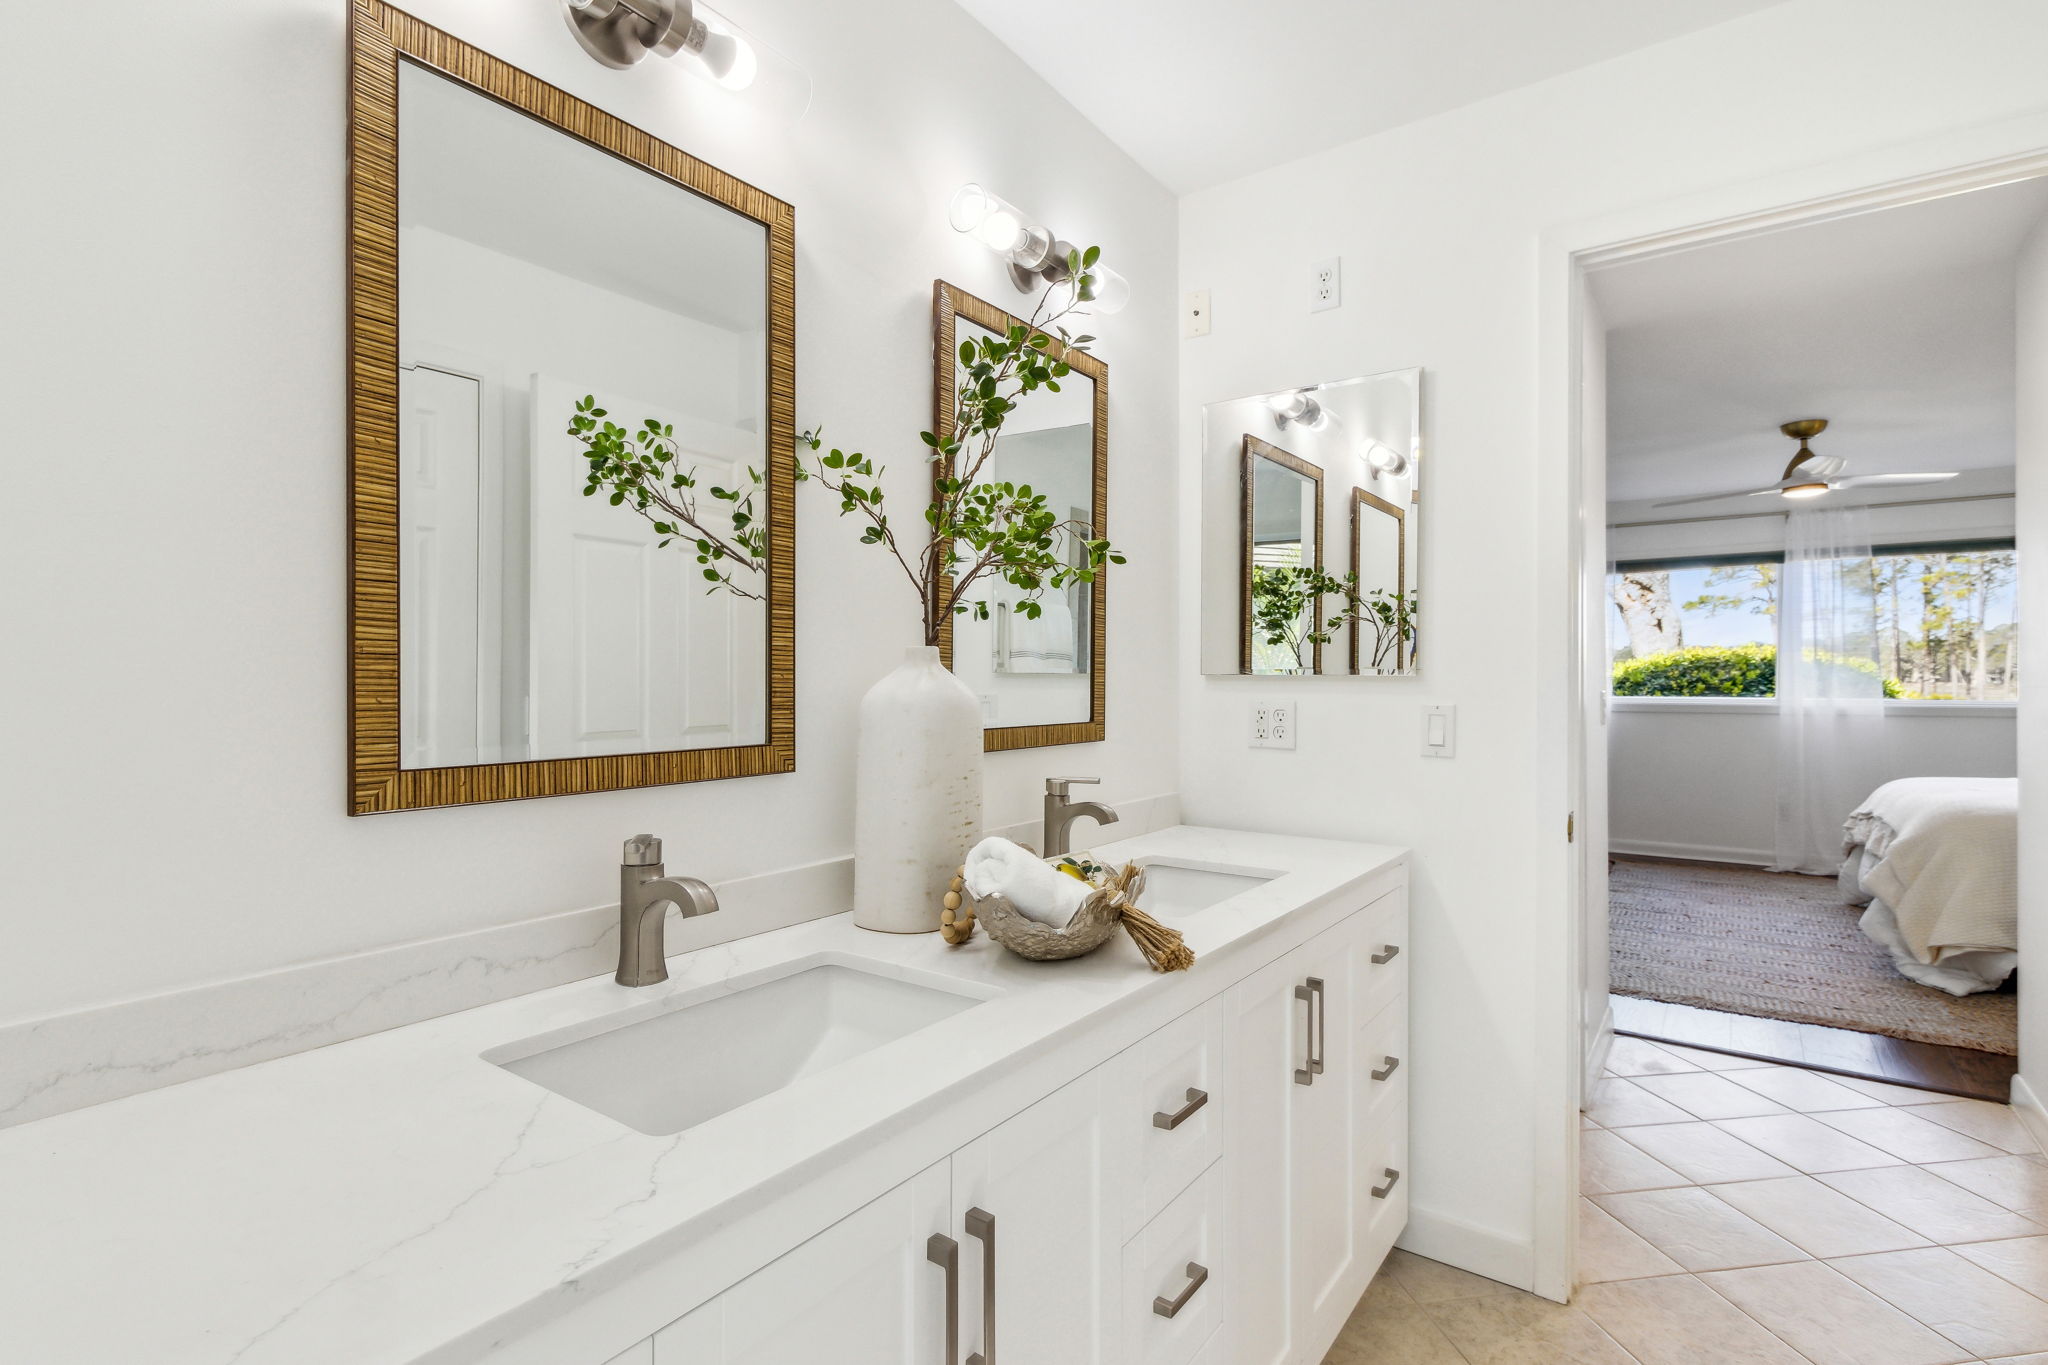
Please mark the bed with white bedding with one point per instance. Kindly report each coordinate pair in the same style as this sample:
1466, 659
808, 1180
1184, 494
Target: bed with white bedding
1936, 859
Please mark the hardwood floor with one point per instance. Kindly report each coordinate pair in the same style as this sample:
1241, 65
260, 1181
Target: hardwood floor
1924, 1066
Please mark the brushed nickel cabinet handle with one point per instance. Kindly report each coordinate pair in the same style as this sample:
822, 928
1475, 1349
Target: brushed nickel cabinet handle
1198, 1275
1315, 983
1386, 955
1312, 993
1393, 1179
944, 1252
1393, 1065
981, 1225
1196, 1099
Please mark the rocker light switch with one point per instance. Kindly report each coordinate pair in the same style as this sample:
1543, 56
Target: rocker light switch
1439, 731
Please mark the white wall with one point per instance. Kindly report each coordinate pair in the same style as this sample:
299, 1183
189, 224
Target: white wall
1698, 778
172, 526
2032, 433
1440, 226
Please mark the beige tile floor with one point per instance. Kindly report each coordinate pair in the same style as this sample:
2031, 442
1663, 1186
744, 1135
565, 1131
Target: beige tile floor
1740, 1213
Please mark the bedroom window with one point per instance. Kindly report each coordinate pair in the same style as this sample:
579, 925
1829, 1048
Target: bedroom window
1944, 624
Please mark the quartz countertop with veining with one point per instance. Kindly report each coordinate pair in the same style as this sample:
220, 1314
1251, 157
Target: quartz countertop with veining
396, 1198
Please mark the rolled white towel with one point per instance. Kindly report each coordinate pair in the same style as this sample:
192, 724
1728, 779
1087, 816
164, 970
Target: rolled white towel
995, 866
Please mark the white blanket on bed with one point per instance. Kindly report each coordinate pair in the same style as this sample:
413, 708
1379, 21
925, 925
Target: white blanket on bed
1945, 858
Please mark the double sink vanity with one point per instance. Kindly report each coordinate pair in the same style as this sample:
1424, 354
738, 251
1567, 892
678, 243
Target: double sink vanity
815, 1144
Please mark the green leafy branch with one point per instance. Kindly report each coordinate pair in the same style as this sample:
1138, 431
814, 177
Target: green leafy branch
644, 469
976, 528
1286, 598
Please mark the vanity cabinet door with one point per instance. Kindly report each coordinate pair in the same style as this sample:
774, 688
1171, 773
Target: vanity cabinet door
1295, 1133
1046, 1257
862, 1292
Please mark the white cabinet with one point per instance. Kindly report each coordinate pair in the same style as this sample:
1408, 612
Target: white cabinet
1170, 1308
1308, 1137
862, 1292
1040, 1233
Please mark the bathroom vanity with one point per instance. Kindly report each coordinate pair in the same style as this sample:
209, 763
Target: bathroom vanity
816, 1144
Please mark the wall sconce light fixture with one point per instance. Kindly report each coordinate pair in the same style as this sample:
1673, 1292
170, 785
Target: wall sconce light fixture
621, 32
1386, 459
1033, 253
1296, 407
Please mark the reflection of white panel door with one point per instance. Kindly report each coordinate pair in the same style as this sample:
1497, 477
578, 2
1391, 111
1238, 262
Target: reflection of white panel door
437, 568
630, 653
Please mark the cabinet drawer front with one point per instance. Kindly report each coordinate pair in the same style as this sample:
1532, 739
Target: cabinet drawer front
1176, 1266
1168, 1095
1387, 1216
1384, 1065
1386, 960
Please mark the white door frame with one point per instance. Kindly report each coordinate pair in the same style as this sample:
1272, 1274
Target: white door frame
1929, 168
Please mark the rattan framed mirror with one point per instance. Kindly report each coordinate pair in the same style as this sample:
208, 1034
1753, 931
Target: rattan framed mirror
511, 633
1042, 681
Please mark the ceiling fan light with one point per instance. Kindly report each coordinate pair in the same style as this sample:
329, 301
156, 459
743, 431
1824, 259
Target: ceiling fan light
1803, 490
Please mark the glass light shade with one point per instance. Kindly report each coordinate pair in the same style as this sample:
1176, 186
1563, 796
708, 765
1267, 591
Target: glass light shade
1385, 459
1107, 291
1297, 407
1803, 490
729, 58
998, 225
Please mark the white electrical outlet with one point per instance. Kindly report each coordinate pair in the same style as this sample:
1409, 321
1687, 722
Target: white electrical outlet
1195, 317
1273, 725
1326, 285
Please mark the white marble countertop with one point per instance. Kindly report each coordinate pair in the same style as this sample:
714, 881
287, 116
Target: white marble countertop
387, 1198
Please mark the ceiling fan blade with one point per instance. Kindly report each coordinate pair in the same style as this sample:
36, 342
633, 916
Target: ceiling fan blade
1720, 497
1822, 466
1867, 480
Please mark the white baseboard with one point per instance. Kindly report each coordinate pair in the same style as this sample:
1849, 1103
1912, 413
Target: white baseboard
1699, 853
2027, 1105
1483, 1251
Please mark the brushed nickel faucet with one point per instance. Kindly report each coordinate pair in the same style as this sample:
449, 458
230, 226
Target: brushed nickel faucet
1061, 813
644, 897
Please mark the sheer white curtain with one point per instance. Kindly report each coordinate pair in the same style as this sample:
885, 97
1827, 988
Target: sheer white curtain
1832, 744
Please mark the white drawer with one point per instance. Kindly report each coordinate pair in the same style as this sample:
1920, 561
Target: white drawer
1387, 1166
1386, 966
1168, 1111
1172, 1267
1383, 1048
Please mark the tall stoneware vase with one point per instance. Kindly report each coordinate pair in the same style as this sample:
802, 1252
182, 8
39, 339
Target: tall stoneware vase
917, 793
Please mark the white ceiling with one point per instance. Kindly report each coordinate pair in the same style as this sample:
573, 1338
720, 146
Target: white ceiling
1203, 91
1896, 326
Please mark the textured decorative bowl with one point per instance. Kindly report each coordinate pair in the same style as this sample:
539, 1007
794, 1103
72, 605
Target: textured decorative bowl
1090, 928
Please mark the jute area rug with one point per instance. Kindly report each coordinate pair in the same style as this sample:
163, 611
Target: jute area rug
1780, 946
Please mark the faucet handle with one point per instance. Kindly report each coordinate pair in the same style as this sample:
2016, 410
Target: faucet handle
642, 850
1057, 786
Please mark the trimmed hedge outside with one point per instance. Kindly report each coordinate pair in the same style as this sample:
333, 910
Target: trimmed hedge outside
1717, 671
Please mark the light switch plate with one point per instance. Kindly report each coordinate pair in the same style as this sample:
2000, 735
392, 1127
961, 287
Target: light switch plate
1195, 316
1439, 731
1273, 725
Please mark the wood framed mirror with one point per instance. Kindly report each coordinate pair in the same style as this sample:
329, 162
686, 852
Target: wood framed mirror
519, 259
1042, 681
1282, 525
1379, 565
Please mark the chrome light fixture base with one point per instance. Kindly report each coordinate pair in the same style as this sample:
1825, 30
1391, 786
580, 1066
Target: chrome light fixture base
620, 33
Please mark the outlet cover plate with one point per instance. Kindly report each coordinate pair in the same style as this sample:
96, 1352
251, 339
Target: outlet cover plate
1273, 725
1195, 316
1326, 285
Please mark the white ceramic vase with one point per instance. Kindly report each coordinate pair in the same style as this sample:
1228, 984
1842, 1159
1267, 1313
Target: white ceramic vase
917, 793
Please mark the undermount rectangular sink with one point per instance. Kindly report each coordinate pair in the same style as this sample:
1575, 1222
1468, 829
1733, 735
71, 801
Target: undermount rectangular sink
1175, 890
672, 1070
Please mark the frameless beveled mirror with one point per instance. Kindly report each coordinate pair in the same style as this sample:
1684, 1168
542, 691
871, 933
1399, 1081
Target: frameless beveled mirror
1040, 679
526, 272
1310, 533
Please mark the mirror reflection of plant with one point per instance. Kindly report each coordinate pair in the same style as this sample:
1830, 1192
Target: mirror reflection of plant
1383, 619
1382, 616
981, 529
1284, 606
644, 468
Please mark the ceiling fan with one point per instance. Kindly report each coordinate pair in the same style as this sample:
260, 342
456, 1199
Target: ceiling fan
1808, 475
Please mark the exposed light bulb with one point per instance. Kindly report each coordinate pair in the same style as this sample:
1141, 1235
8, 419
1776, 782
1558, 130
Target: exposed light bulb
729, 58
1385, 459
1000, 226
1295, 406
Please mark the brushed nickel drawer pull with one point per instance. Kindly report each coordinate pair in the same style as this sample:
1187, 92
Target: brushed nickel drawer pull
944, 1252
981, 1224
1196, 1099
1386, 955
1393, 1065
1393, 1179
1198, 1275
